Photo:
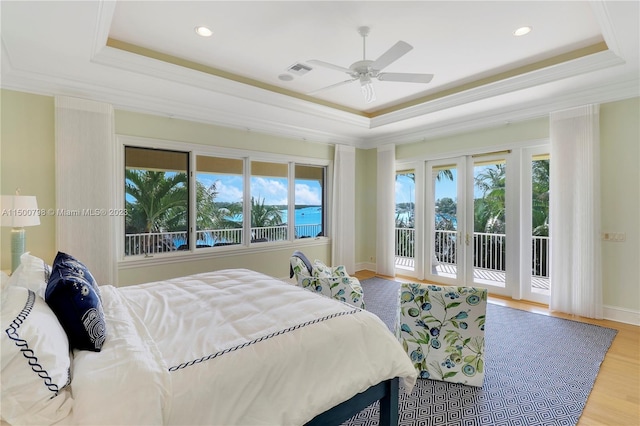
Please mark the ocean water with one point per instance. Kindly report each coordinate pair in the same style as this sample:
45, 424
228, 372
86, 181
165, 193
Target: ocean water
305, 216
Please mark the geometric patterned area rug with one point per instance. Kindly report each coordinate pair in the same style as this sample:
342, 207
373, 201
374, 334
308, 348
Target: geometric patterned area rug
539, 370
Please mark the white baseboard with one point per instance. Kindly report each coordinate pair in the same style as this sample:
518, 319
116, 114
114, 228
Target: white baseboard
366, 266
627, 316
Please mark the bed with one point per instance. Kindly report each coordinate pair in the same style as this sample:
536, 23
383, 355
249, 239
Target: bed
231, 347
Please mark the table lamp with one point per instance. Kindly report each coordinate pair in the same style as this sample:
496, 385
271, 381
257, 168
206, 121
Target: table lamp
18, 211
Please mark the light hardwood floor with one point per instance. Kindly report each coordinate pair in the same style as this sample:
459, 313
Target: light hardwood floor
615, 397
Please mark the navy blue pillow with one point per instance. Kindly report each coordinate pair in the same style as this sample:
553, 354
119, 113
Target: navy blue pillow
76, 268
72, 297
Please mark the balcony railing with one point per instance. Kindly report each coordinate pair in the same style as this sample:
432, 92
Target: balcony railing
489, 249
164, 242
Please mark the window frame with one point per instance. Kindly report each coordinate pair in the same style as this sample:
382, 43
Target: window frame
247, 156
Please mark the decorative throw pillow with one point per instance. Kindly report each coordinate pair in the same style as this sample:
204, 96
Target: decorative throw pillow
299, 265
76, 268
32, 273
35, 361
320, 270
76, 303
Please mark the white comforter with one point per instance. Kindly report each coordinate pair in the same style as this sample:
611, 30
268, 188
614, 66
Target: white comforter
231, 347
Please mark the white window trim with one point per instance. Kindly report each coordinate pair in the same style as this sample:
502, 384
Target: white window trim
220, 252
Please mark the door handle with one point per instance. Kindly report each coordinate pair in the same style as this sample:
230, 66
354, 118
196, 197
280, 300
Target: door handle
467, 239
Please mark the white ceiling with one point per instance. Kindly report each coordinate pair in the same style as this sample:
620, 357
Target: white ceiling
73, 48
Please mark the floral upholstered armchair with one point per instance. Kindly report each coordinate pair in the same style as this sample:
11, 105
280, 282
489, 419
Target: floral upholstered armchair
442, 330
331, 282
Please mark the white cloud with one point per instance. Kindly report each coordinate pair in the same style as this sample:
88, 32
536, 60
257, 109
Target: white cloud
229, 188
308, 195
273, 191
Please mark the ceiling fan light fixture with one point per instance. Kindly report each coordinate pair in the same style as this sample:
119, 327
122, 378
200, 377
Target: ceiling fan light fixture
203, 31
367, 89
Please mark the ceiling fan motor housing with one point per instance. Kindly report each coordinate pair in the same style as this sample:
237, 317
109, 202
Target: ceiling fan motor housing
362, 68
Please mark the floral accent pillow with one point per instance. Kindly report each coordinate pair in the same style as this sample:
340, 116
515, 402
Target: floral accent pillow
299, 268
334, 282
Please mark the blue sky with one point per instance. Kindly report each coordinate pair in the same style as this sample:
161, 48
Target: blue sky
405, 189
445, 188
272, 190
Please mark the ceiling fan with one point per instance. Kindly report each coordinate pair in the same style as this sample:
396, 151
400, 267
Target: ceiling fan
365, 70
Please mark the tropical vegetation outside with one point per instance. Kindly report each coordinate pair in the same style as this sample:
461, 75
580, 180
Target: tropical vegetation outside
489, 215
157, 204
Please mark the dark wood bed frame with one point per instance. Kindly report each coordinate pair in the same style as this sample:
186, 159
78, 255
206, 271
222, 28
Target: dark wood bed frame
386, 392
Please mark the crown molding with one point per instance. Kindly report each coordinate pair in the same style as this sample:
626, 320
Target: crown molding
615, 91
153, 68
583, 65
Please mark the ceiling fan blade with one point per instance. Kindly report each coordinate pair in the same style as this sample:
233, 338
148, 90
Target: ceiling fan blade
331, 87
328, 65
405, 77
391, 55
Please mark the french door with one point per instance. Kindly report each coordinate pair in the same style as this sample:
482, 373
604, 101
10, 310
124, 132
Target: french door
478, 220
535, 242
470, 224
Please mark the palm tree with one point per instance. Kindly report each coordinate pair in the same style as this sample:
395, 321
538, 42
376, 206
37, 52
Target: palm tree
490, 209
265, 216
540, 200
160, 204
161, 200
211, 217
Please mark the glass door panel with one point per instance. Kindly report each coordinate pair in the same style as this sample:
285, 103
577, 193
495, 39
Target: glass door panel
405, 232
444, 258
540, 224
536, 243
489, 240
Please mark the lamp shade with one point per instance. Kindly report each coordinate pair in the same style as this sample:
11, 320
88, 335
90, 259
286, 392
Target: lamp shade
19, 211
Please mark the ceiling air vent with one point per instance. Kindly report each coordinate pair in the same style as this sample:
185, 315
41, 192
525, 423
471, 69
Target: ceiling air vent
299, 69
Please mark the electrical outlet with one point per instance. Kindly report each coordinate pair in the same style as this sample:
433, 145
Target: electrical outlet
614, 236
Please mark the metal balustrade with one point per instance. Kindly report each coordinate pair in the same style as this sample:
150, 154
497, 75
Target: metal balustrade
163, 242
489, 249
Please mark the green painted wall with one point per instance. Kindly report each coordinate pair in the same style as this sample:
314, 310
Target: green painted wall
27, 161
620, 201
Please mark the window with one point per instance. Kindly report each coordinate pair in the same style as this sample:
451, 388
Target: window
269, 201
183, 201
219, 201
309, 201
156, 200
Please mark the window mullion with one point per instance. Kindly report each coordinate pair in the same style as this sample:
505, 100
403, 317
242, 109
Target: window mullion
193, 202
291, 203
246, 208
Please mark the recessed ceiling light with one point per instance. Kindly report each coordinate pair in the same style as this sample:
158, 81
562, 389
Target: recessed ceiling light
203, 31
522, 31
285, 77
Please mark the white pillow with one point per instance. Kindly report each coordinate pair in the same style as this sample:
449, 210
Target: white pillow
35, 361
32, 273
